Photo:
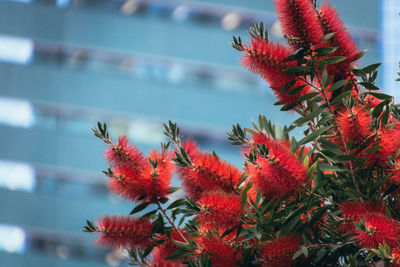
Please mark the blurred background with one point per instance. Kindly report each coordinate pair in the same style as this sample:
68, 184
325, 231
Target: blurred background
66, 64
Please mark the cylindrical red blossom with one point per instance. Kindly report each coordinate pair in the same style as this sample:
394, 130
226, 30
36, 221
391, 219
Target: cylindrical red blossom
299, 20
147, 183
396, 256
208, 174
379, 229
279, 252
166, 249
125, 155
220, 210
281, 174
219, 250
124, 232
159, 254
354, 124
331, 23
389, 141
354, 211
265, 58
126, 185
156, 181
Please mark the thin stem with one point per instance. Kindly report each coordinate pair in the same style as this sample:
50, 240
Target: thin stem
171, 222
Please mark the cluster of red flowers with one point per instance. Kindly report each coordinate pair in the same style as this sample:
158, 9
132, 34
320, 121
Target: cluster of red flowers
225, 201
304, 27
134, 177
124, 231
281, 173
369, 225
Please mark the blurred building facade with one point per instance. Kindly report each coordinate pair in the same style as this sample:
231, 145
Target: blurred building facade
64, 65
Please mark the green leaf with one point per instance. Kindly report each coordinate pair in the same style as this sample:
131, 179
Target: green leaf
378, 109
296, 90
380, 96
179, 253
307, 96
338, 99
328, 36
303, 120
314, 135
139, 207
373, 149
334, 60
244, 192
371, 68
297, 69
173, 190
176, 203
288, 86
288, 107
337, 85
369, 86
324, 51
327, 167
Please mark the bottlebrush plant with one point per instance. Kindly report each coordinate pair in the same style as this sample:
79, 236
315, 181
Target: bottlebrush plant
328, 199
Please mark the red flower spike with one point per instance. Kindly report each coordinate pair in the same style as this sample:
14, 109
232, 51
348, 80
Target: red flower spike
220, 251
299, 20
159, 254
146, 183
208, 174
126, 185
166, 249
388, 139
379, 229
281, 174
220, 210
346, 47
125, 155
356, 209
157, 181
355, 124
279, 252
265, 58
124, 232
396, 256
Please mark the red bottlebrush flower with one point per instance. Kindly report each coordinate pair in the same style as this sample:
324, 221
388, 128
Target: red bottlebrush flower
219, 250
299, 20
355, 124
125, 155
220, 210
396, 256
166, 249
125, 184
159, 254
279, 252
265, 58
389, 141
157, 180
356, 209
208, 174
331, 23
379, 229
124, 232
371, 101
281, 174
147, 183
